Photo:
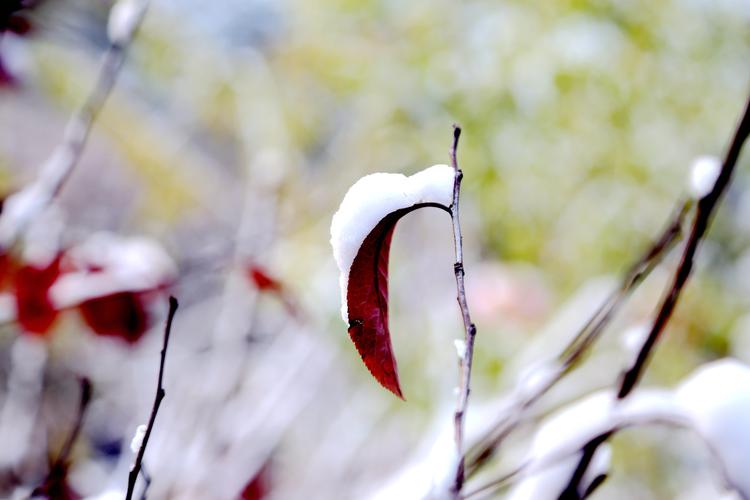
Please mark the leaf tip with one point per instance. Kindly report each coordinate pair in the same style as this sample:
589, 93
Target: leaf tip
377, 355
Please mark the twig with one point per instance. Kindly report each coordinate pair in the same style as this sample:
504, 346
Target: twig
21, 207
470, 329
133, 476
554, 457
82, 406
701, 221
589, 333
55, 481
705, 209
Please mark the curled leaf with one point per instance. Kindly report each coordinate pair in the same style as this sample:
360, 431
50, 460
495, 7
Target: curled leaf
361, 234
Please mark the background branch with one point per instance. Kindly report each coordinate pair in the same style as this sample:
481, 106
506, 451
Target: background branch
21, 207
588, 334
701, 221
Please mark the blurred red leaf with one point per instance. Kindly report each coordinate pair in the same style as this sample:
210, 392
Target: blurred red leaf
120, 314
55, 486
259, 485
31, 284
262, 280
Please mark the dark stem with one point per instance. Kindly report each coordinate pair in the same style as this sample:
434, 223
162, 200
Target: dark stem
701, 221
469, 328
705, 210
571, 491
133, 476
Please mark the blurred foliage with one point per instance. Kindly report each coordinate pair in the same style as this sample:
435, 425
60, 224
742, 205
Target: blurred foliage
580, 120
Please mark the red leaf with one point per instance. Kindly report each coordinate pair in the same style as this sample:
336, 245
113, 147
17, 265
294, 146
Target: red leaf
120, 314
36, 314
262, 280
367, 301
259, 485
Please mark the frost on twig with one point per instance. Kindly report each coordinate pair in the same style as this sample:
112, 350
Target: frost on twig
21, 207
713, 401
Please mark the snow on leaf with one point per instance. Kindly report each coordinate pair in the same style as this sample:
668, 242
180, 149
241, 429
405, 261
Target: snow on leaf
361, 233
716, 397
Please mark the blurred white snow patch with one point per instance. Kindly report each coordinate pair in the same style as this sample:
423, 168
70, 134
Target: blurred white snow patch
701, 490
633, 337
557, 444
124, 17
716, 396
460, 345
373, 197
89, 477
431, 475
108, 495
42, 237
703, 174
137, 441
107, 263
28, 356
555, 453
534, 379
7, 307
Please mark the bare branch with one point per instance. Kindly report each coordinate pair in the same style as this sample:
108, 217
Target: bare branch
160, 393
701, 221
58, 470
589, 333
470, 329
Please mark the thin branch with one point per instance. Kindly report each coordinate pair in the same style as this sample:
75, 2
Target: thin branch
21, 207
82, 406
554, 457
56, 477
590, 332
160, 393
469, 327
705, 210
701, 221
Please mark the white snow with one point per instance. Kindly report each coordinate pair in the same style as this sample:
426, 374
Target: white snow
137, 441
717, 398
123, 19
460, 345
373, 197
703, 174
122, 264
553, 452
556, 447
